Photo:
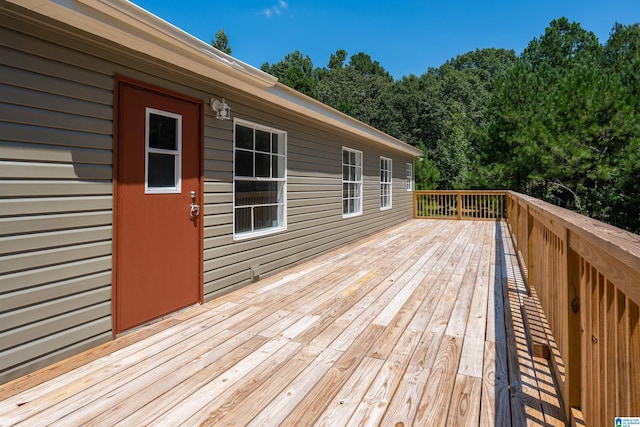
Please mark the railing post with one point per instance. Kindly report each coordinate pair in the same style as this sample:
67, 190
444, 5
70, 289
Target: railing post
415, 204
459, 199
574, 348
513, 214
531, 250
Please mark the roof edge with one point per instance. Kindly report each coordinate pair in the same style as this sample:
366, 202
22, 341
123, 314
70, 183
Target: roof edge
140, 30
128, 25
323, 111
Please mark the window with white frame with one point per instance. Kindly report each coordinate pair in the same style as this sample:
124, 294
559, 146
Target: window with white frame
385, 183
351, 182
259, 180
409, 177
163, 152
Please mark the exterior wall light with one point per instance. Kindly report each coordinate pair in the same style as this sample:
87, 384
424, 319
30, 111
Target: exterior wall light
222, 110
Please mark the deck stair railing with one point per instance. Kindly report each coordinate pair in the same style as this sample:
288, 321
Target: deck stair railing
586, 275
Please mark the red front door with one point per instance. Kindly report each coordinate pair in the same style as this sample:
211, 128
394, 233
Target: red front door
158, 254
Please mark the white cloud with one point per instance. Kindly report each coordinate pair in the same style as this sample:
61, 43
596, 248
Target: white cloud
276, 9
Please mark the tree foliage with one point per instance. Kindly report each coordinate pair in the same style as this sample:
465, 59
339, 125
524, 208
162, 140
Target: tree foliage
296, 71
564, 123
560, 121
221, 42
355, 88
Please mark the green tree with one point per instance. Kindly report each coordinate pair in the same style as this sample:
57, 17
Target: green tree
563, 43
356, 94
354, 89
296, 71
426, 172
364, 64
446, 108
336, 60
221, 42
622, 58
564, 123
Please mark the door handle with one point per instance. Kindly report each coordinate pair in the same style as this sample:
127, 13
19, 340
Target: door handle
194, 211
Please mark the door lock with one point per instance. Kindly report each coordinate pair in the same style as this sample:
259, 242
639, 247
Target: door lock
194, 209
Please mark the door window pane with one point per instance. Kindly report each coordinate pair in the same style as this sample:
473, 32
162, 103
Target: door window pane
163, 151
162, 132
162, 170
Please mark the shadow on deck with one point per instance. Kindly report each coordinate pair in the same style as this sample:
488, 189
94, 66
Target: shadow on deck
428, 323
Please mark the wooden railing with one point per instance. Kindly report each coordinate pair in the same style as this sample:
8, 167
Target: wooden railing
587, 277
476, 205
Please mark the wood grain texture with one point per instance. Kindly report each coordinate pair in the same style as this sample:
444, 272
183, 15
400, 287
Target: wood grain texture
407, 327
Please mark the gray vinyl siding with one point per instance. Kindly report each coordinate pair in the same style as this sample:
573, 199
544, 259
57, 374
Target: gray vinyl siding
56, 191
56, 126
314, 200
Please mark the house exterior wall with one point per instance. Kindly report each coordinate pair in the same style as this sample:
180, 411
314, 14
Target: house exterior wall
314, 201
56, 189
56, 125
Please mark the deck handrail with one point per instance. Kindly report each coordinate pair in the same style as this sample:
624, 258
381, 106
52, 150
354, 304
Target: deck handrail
460, 204
586, 275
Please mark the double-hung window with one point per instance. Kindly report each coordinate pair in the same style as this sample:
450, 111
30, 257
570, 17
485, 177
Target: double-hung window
259, 180
385, 183
351, 182
409, 177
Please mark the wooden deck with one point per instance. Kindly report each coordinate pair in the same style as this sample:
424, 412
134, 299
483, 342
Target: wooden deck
421, 325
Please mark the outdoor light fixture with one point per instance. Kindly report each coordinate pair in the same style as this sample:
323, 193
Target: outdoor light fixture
222, 110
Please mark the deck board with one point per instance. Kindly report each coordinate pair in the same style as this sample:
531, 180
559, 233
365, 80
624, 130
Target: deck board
418, 325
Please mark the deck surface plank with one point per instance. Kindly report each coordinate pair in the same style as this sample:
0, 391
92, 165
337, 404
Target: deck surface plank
420, 324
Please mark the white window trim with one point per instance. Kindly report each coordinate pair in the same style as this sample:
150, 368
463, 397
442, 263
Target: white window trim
360, 199
409, 177
267, 231
389, 183
177, 188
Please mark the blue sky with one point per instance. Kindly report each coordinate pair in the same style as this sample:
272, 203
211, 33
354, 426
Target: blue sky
406, 37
